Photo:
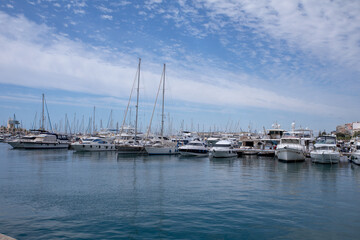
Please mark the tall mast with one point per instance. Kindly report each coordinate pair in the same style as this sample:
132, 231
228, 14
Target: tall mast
94, 122
163, 100
43, 114
137, 99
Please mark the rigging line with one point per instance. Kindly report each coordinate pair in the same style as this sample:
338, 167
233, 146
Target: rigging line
157, 95
127, 107
47, 110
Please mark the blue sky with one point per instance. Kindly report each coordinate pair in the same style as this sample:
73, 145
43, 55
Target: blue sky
229, 63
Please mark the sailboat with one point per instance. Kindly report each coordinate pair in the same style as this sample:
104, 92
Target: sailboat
161, 146
132, 146
41, 139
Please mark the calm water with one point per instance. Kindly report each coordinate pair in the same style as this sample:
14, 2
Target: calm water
59, 194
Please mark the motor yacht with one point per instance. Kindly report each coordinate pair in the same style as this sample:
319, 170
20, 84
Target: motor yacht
355, 155
325, 150
92, 144
40, 141
194, 148
290, 150
223, 149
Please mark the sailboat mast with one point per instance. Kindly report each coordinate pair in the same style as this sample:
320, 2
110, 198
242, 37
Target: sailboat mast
43, 113
137, 99
163, 102
94, 122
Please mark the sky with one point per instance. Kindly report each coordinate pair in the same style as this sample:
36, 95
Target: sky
230, 64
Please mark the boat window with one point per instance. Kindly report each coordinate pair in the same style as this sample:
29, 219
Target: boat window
325, 148
223, 145
196, 144
290, 140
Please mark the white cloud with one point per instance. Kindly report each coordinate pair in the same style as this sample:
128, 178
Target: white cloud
59, 63
107, 17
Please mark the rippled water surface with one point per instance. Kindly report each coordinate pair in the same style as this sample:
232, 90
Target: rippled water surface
60, 194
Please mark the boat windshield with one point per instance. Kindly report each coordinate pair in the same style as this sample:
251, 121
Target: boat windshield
223, 145
326, 140
99, 141
290, 140
325, 148
195, 144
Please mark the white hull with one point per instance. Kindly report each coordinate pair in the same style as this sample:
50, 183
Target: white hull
195, 154
93, 147
223, 154
35, 145
130, 149
355, 158
290, 155
325, 157
161, 150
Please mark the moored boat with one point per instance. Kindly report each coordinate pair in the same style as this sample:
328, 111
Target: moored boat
93, 144
290, 150
223, 149
325, 150
355, 155
194, 148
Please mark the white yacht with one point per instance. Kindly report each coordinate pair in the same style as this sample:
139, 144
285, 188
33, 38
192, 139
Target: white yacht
355, 155
223, 149
162, 147
290, 150
40, 141
92, 144
325, 150
194, 148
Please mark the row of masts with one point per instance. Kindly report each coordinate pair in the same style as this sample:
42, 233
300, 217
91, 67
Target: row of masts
92, 120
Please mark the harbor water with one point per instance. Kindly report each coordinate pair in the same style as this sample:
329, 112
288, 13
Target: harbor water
61, 194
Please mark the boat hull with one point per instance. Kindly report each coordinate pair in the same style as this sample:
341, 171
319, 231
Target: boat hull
128, 149
93, 147
161, 150
324, 157
290, 155
35, 145
192, 152
355, 158
223, 154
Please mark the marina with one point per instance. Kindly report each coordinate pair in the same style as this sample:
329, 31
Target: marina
179, 119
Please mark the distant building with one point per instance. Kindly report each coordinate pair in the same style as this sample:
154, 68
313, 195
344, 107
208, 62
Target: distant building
348, 128
12, 124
